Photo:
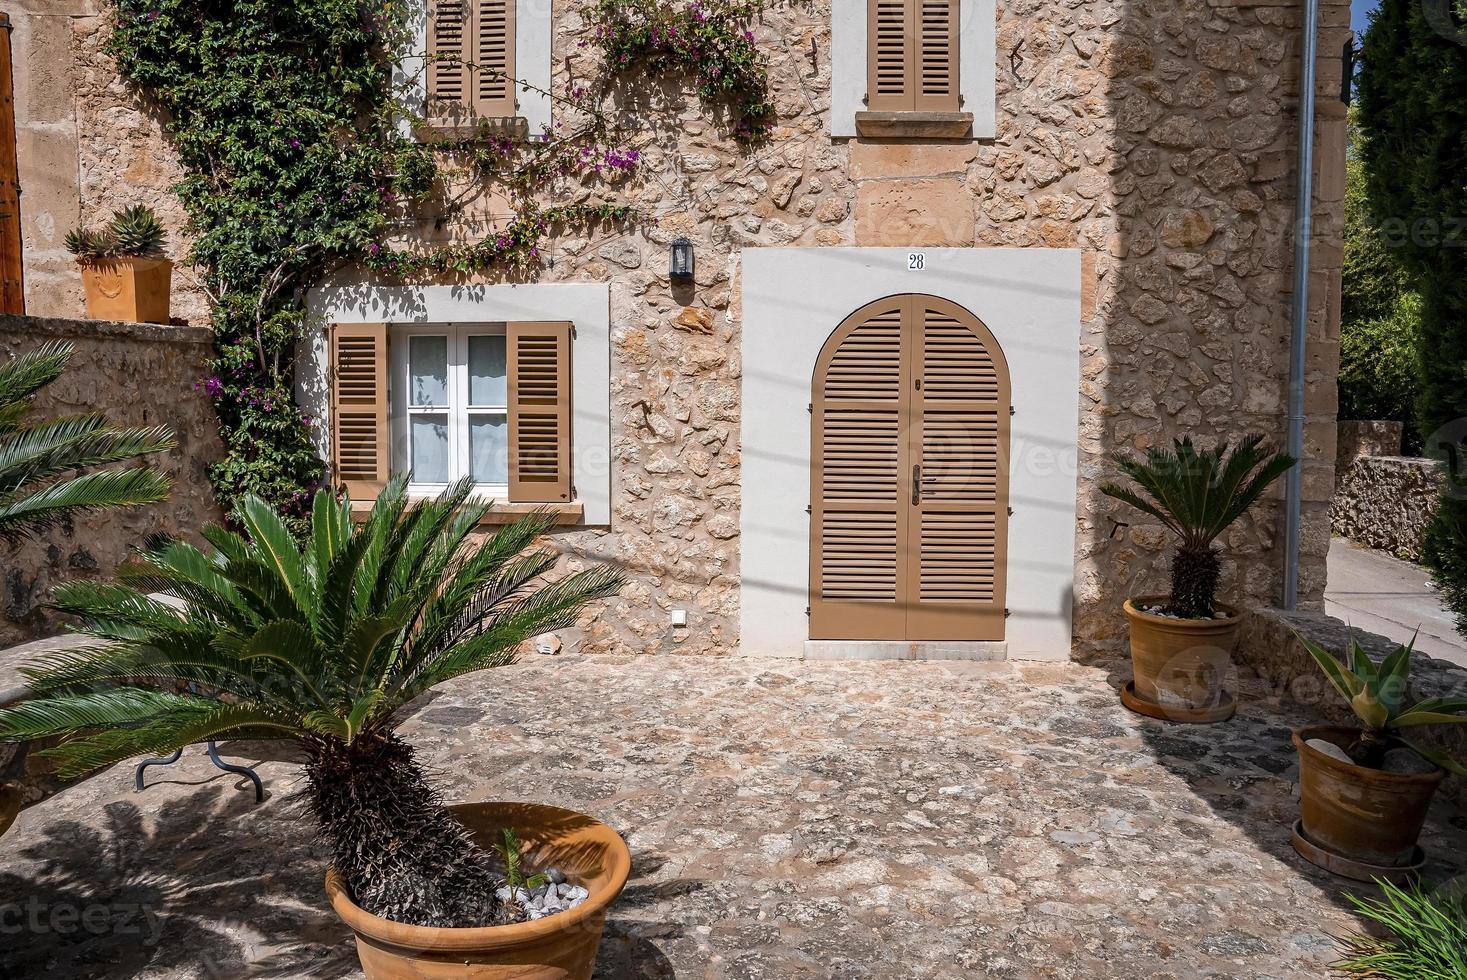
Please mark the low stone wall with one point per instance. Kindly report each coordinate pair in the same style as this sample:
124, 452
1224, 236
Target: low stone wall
135, 374
1366, 438
1269, 645
1386, 502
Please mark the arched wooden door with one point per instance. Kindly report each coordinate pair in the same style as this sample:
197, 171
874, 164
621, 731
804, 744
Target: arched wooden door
909, 468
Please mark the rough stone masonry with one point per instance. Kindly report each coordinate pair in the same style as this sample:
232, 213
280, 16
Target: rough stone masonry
1158, 136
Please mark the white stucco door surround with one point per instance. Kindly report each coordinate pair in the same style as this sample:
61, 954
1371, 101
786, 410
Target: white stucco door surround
793, 298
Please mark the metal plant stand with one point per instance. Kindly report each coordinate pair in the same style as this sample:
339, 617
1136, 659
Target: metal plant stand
168, 760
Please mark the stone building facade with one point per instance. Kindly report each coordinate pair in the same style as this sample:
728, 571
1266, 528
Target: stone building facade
1154, 141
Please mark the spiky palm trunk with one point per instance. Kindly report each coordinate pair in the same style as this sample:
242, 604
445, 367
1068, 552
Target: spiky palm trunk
401, 853
1194, 582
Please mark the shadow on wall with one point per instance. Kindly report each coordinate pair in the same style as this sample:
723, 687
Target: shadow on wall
1192, 239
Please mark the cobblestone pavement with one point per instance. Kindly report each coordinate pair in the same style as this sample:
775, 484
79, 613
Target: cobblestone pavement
787, 820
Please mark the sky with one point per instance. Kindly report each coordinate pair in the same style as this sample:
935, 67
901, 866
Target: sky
1358, 10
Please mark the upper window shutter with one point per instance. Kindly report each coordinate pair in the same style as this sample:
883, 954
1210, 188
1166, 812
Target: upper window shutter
936, 69
493, 57
359, 408
539, 412
912, 55
448, 43
889, 56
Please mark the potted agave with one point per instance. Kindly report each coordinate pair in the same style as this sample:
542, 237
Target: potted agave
1365, 789
322, 643
1182, 643
124, 273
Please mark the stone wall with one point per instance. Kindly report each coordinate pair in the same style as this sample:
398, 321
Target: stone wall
1386, 502
1374, 438
137, 375
1270, 645
1158, 136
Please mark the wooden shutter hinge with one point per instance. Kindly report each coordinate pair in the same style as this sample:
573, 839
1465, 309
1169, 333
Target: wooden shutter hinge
809, 408
1013, 411
1011, 512
807, 610
1007, 612
808, 510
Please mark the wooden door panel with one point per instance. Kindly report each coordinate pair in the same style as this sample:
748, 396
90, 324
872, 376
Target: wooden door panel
857, 507
959, 430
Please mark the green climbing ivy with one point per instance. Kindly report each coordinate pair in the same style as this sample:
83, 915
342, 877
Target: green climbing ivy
298, 156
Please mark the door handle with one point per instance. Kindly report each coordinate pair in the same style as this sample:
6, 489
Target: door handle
916, 483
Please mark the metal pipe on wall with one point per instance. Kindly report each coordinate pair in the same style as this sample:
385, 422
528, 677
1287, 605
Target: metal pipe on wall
1294, 482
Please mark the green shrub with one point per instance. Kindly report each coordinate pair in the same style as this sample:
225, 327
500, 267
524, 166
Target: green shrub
1428, 936
1414, 119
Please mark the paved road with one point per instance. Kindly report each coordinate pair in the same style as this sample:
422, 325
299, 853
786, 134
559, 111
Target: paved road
1384, 595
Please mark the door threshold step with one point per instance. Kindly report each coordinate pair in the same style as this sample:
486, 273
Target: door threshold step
905, 650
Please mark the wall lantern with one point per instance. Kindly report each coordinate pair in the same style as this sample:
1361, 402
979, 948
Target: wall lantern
682, 260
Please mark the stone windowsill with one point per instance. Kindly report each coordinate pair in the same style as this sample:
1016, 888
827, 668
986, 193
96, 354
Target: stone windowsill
443, 129
504, 512
915, 125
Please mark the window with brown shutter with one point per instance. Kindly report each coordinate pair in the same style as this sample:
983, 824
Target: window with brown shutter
912, 80
539, 412
472, 65
912, 50
359, 408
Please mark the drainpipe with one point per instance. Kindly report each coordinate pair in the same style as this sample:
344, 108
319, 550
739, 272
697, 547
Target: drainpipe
1294, 481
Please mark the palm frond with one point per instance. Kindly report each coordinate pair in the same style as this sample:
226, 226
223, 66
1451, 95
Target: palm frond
57, 501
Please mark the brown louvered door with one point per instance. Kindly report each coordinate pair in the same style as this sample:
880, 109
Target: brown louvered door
959, 436
909, 476
912, 55
448, 44
359, 408
493, 57
539, 412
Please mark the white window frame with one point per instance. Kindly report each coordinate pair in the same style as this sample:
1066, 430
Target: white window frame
977, 65
458, 410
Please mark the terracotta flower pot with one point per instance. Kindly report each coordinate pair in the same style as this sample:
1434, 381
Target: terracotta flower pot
1182, 664
1365, 815
557, 947
128, 288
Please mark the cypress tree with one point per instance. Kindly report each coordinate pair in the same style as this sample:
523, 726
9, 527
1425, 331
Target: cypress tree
1413, 108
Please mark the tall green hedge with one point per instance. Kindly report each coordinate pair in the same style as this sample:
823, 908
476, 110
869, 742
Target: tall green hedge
1413, 111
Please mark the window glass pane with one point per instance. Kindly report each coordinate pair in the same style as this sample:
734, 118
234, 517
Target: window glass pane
488, 449
429, 434
487, 371
428, 370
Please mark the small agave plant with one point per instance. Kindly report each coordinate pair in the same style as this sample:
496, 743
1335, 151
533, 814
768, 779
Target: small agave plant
1377, 695
133, 231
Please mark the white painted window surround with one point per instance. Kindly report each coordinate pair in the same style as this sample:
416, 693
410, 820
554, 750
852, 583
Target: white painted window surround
460, 311
531, 52
977, 65
793, 299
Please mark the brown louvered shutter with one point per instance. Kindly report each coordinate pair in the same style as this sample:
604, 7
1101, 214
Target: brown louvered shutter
493, 57
912, 54
539, 412
889, 56
448, 43
360, 447
936, 68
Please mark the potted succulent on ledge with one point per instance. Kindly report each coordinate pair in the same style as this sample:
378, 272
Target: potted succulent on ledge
124, 272
1364, 790
1182, 644
322, 644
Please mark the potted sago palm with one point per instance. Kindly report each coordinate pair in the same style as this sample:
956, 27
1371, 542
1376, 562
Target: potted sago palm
1182, 643
1365, 789
322, 643
124, 272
